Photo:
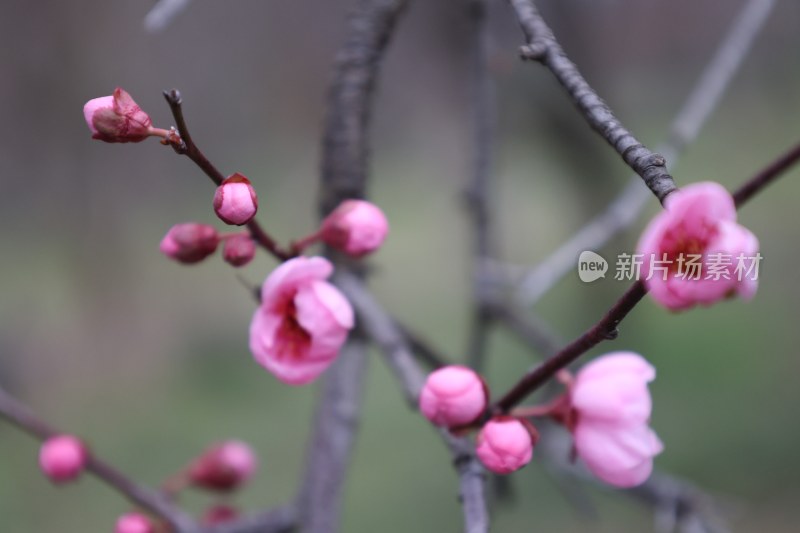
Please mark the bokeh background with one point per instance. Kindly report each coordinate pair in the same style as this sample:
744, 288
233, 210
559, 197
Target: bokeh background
148, 360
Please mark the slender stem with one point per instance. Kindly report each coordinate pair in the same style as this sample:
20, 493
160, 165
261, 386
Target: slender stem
543, 46
184, 145
694, 113
18, 414
606, 327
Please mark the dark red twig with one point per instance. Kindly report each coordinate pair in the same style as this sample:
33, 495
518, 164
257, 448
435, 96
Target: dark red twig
184, 145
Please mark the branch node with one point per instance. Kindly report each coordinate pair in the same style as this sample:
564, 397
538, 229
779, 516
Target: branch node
534, 51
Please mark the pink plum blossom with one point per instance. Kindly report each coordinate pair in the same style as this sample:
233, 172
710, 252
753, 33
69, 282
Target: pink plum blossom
453, 396
225, 466
117, 118
190, 242
302, 322
505, 444
62, 458
356, 227
134, 523
239, 250
698, 221
612, 411
235, 200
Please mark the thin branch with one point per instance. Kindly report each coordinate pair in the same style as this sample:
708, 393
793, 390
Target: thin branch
478, 191
278, 520
21, 416
184, 145
163, 13
606, 327
625, 209
543, 46
383, 331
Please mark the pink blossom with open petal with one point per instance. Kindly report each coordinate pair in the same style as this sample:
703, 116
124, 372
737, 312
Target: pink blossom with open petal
612, 412
302, 322
698, 220
225, 466
62, 458
453, 396
117, 118
505, 444
235, 200
356, 227
134, 523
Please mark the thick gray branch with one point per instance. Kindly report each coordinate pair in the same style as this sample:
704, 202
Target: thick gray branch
543, 46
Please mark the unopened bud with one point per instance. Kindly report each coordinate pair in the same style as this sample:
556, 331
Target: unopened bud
225, 466
239, 250
134, 523
117, 118
235, 200
356, 227
62, 458
190, 242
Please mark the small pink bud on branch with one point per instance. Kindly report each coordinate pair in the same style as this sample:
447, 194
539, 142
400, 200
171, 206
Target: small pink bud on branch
505, 444
356, 227
134, 523
235, 200
62, 458
453, 396
190, 242
118, 119
238, 250
224, 467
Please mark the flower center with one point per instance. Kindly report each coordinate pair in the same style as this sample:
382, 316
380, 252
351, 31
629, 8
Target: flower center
294, 341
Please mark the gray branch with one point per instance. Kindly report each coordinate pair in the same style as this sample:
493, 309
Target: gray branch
543, 46
627, 207
383, 331
163, 13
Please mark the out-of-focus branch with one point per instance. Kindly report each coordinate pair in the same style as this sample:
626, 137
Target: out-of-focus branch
543, 47
383, 331
478, 191
344, 172
163, 13
278, 520
21, 416
678, 504
184, 145
625, 209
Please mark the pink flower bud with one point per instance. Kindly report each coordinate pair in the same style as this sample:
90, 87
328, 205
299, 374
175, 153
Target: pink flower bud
117, 118
235, 201
505, 444
238, 250
223, 467
356, 227
613, 406
694, 252
190, 242
62, 458
453, 396
134, 523
218, 514
302, 322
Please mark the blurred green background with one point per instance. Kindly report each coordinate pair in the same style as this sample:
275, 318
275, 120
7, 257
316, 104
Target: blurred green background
148, 360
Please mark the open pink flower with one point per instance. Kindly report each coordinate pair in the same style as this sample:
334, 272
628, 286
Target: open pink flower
612, 408
117, 118
694, 252
453, 396
302, 322
356, 227
505, 444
